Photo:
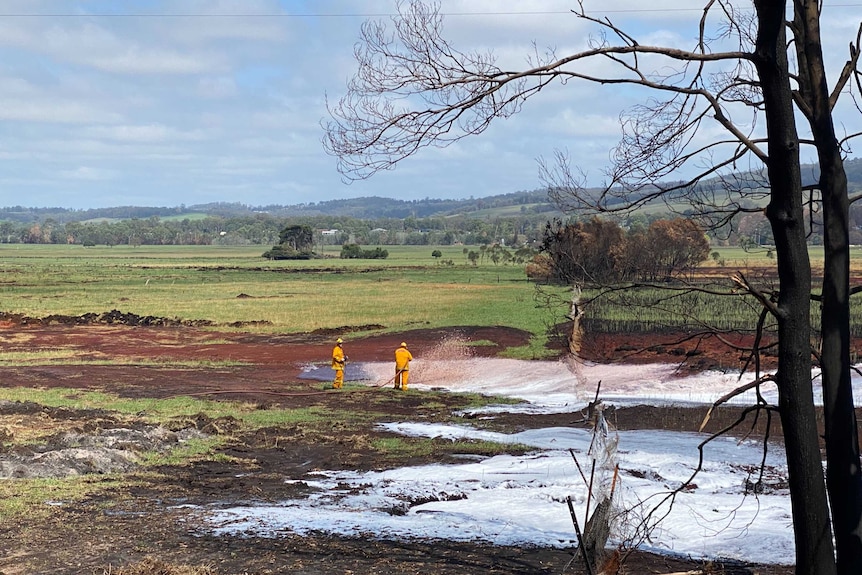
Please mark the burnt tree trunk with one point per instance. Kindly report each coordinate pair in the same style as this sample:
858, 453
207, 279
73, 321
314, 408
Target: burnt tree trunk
814, 550
843, 477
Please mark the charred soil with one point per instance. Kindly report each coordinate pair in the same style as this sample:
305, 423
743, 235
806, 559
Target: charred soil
142, 524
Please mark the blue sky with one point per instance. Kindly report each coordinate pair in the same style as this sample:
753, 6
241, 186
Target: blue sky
163, 103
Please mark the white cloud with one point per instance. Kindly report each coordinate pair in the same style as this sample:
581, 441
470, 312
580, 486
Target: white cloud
88, 173
142, 134
217, 87
47, 111
139, 60
574, 123
173, 88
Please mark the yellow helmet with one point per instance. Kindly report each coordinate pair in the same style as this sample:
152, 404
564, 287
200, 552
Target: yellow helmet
339, 340
403, 344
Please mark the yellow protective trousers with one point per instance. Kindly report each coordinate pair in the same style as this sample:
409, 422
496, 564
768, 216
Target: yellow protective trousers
338, 382
401, 377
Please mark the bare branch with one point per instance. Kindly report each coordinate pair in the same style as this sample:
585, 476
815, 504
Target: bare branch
414, 90
767, 300
847, 71
734, 393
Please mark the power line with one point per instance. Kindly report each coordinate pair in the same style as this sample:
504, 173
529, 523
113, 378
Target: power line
367, 15
371, 14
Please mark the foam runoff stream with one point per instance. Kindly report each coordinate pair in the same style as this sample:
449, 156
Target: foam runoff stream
520, 500
558, 385
561, 384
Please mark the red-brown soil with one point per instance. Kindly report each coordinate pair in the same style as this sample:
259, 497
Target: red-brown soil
142, 523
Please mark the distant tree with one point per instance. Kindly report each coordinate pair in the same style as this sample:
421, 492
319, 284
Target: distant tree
541, 268
296, 243
673, 247
584, 252
437, 254
351, 251
523, 254
299, 238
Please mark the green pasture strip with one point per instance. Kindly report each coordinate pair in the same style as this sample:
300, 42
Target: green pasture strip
235, 286
399, 448
73, 253
189, 450
231, 255
35, 498
153, 410
73, 357
407, 255
38, 357
161, 411
760, 258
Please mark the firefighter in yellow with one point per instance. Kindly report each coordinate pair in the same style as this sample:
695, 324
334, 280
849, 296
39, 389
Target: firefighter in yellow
338, 359
402, 366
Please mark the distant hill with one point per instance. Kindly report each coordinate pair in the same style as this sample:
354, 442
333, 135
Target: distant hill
369, 208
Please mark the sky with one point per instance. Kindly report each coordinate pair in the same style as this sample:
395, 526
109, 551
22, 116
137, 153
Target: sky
182, 102
521, 500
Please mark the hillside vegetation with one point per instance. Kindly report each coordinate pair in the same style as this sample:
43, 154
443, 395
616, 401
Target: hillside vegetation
515, 220
494, 205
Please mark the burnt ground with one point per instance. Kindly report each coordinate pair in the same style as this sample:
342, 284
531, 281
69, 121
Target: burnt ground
141, 526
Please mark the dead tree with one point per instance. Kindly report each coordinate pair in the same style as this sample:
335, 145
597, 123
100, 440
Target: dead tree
413, 89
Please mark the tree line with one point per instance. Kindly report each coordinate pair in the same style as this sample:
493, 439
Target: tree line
263, 229
749, 230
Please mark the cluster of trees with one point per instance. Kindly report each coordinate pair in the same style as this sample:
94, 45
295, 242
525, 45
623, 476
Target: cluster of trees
295, 243
601, 251
355, 252
64, 215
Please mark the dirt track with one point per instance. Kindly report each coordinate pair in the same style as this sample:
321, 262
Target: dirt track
143, 519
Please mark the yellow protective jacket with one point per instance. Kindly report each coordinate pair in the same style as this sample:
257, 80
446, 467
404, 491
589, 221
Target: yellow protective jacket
337, 357
402, 359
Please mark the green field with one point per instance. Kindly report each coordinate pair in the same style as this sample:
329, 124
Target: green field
763, 257
229, 285
226, 285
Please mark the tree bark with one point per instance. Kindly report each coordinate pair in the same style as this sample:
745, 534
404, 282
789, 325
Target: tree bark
842, 445
814, 550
